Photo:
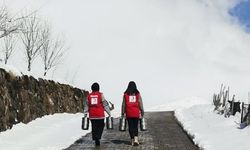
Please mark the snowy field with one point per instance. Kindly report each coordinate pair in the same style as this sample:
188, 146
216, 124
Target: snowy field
210, 130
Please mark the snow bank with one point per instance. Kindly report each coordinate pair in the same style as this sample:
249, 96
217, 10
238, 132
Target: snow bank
209, 130
212, 131
52, 132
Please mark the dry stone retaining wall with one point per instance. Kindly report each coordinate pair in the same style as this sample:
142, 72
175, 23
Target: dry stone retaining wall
24, 98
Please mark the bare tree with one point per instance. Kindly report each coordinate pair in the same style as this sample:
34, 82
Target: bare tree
8, 23
31, 36
4, 19
8, 47
52, 51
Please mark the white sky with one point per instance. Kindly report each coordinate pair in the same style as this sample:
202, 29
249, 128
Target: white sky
170, 48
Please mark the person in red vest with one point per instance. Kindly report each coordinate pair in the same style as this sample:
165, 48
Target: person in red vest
132, 108
95, 105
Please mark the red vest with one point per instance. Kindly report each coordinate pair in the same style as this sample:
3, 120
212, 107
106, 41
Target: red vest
96, 109
132, 106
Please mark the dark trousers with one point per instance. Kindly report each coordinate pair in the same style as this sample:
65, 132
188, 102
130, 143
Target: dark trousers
97, 128
133, 127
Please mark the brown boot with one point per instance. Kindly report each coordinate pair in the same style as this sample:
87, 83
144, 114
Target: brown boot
136, 142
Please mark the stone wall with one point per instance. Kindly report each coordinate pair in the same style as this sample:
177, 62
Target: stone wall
23, 99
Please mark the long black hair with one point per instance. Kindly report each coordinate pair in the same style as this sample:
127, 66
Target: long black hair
132, 89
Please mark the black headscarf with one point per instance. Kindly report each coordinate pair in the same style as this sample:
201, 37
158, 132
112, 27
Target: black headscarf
95, 87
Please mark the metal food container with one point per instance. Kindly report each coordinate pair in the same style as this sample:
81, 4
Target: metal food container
109, 123
143, 124
85, 123
122, 124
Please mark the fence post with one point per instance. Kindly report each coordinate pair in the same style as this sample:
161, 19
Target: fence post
248, 97
242, 108
232, 111
248, 114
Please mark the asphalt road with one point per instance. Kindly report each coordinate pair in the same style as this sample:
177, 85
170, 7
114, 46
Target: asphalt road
164, 133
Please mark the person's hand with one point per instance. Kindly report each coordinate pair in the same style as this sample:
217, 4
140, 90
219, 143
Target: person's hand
111, 106
142, 114
85, 114
122, 115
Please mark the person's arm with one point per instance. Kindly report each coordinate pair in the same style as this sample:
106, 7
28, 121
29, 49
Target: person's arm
105, 105
141, 105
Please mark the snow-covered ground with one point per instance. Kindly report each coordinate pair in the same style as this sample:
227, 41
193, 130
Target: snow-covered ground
210, 130
52, 132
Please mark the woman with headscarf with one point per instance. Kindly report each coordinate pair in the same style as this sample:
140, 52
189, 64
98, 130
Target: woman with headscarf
132, 108
95, 105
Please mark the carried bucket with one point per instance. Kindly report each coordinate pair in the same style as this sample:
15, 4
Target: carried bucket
122, 124
109, 123
85, 123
